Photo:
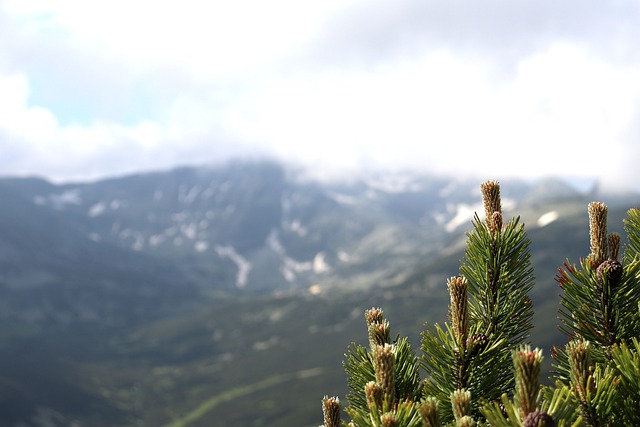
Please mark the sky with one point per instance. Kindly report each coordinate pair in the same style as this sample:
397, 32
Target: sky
491, 88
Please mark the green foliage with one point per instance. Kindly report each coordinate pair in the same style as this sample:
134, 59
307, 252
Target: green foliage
627, 367
500, 276
479, 369
558, 402
474, 353
632, 228
383, 379
600, 315
447, 368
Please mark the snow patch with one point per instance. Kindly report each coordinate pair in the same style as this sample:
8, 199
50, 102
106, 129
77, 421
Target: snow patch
344, 256
265, 345
201, 246
398, 183
320, 264
156, 240
97, 209
297, 228
290, 268
189, 230
274, 243
179, 216
138, 242
463, 215
117, 204
343, 199
244, 266
69, 197
59, 201
126, 233
188, 196
547, 218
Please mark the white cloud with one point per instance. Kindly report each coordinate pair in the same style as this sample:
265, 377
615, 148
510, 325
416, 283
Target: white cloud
512, 90
443, 112
17, 118
208, 37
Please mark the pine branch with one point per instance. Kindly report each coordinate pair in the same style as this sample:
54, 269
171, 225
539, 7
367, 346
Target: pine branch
600, 296
526, 364
480, 371
600, 314
489, 314
384, 380
500, 275
627, 361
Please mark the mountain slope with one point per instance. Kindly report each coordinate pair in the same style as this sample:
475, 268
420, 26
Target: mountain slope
255, 223
228, 295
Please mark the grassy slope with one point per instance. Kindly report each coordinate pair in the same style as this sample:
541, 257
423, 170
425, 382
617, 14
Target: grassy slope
261, 360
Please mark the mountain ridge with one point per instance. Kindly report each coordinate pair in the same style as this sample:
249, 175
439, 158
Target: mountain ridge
238, 215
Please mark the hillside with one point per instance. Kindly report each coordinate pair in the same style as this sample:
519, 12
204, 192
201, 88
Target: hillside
228, 295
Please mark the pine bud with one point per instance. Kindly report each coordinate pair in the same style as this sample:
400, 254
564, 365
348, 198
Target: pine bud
526, 363
461, 403
580, 368
598, 232
496, 221
614, 245
331, 411
378, 328
384, 366
374, 315
375, 395
466, 421
539, 419
389, 420
429, 413
491, 198
612, 269
458, 310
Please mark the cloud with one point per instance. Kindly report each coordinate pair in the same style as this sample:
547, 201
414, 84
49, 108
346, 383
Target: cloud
497, 30
34, 142
456, 87
445, 113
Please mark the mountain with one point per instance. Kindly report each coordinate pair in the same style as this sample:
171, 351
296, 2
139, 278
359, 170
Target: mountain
247, 222
227, 295
258, 226
52, 272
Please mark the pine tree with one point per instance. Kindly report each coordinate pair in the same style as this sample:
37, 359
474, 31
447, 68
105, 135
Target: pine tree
479, 368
